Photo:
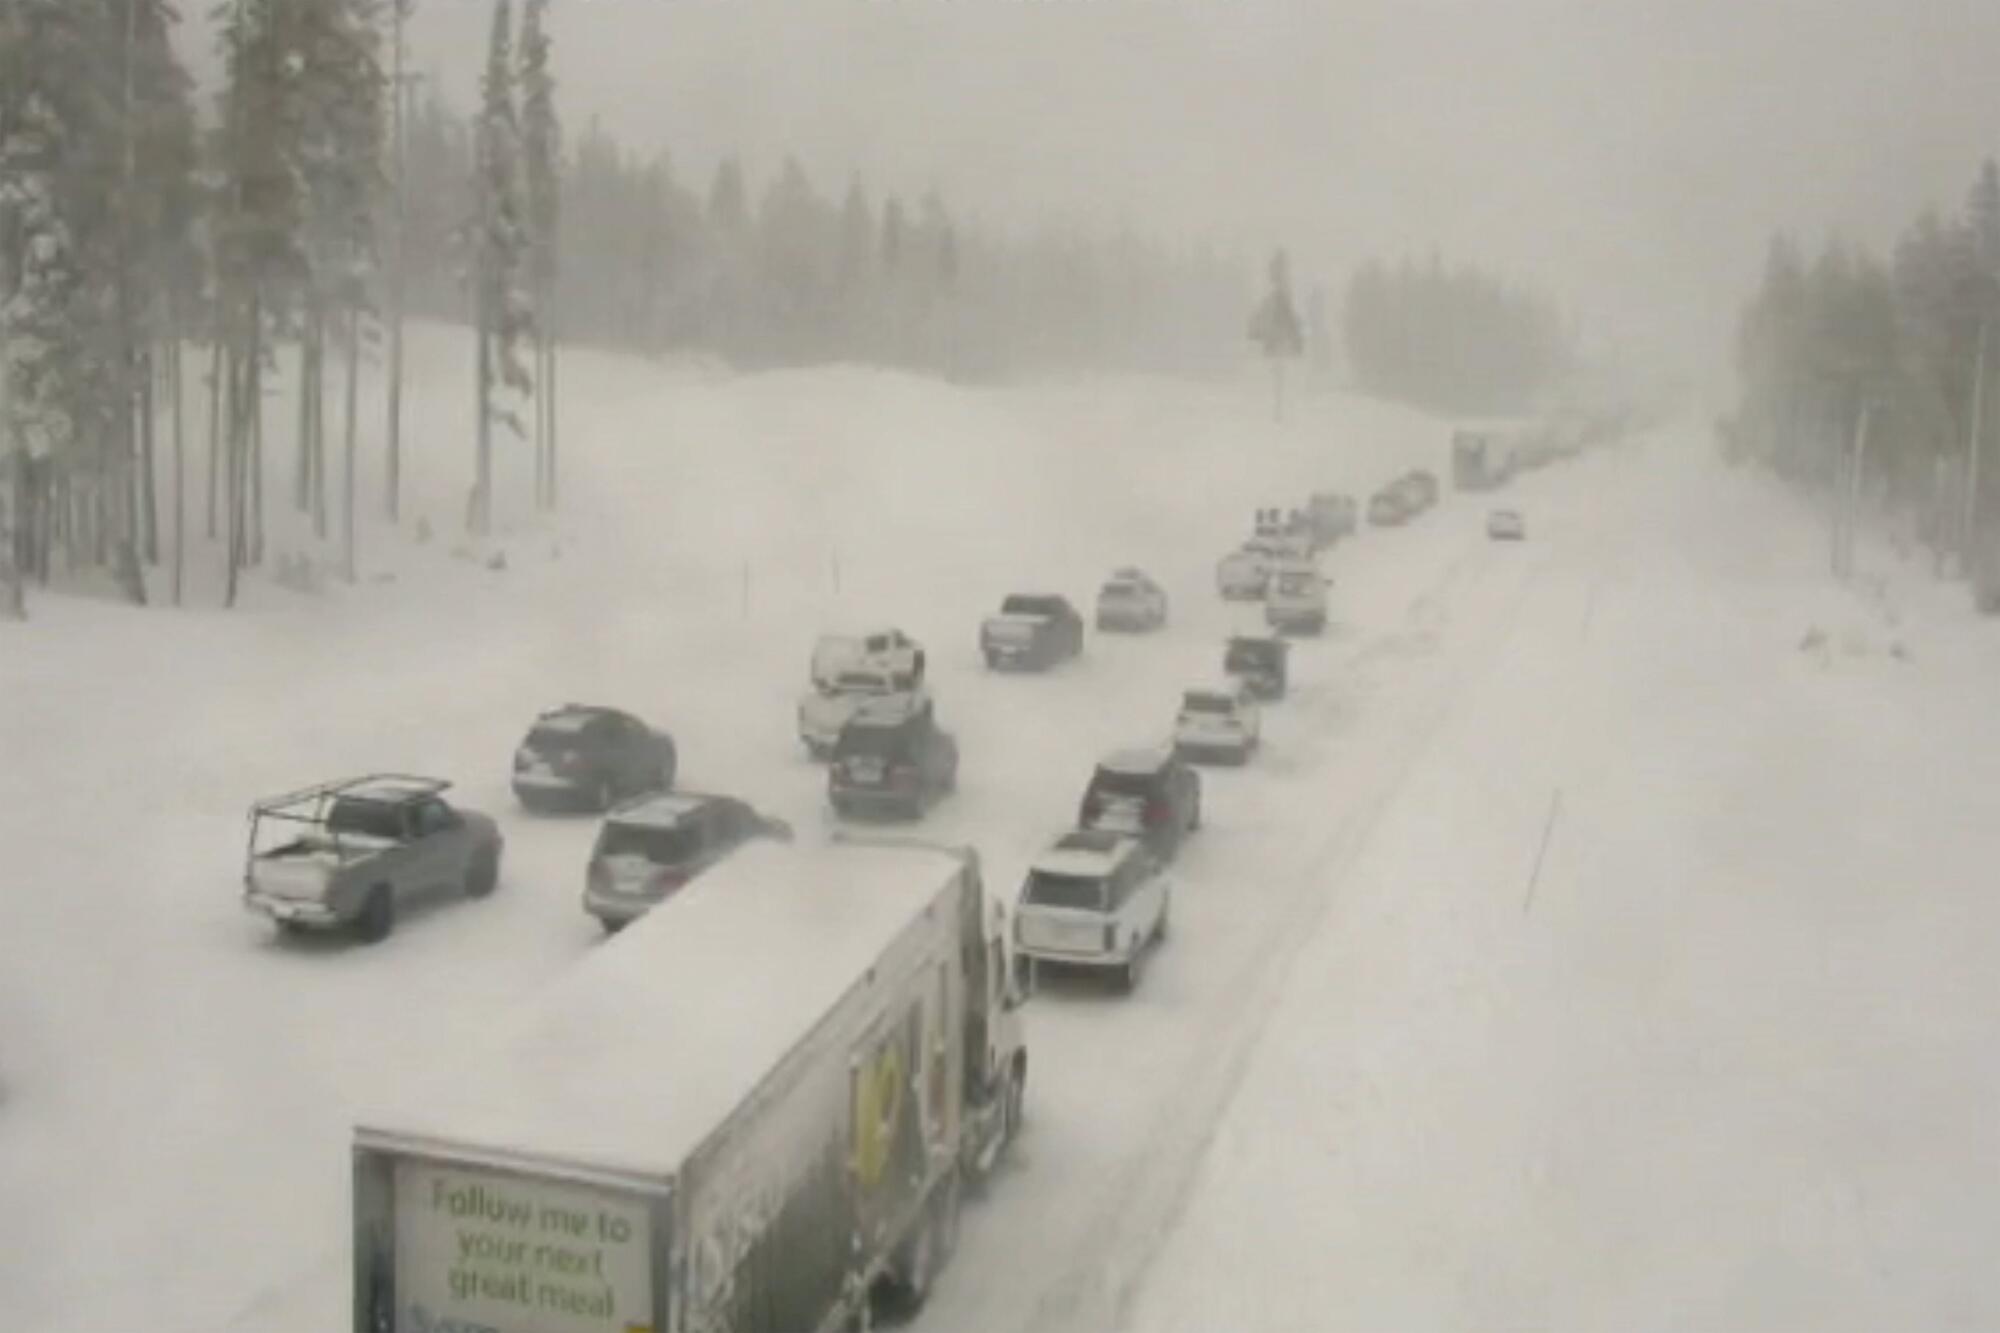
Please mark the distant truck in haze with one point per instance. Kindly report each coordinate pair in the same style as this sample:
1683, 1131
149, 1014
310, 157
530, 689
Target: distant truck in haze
1479, 459
757, 1109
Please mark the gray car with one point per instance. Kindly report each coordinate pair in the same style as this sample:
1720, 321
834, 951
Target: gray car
350, 855
650, 848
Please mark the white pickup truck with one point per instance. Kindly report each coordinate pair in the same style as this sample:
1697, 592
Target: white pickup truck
886, 650
828, 707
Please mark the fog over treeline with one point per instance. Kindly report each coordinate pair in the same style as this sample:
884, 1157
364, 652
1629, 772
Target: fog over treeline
1629, 157
784, 269
1474, 199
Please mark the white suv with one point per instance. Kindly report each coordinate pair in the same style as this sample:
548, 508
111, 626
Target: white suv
1218, 721
1094, 899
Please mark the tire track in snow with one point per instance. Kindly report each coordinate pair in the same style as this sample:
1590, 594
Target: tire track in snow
1143, 1203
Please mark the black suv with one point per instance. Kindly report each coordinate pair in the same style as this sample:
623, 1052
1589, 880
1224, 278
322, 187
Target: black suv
1152, 794
650, 848
590, 757
892, 758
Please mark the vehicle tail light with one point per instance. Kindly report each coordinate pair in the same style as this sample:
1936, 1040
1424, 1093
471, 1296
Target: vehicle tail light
1156, 812
666, 881
902, 773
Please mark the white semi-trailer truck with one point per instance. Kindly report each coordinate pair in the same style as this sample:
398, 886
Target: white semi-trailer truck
756, 1110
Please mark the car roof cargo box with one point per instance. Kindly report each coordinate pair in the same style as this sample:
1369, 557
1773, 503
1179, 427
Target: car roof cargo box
630, 1060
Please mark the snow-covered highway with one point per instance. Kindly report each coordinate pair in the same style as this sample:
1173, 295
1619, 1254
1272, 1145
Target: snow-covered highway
1722, 1062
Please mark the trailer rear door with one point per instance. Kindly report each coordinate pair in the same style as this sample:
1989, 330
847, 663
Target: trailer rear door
499, 1252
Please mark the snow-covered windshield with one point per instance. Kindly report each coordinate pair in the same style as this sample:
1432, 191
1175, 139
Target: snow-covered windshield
1083, 893
1204, 701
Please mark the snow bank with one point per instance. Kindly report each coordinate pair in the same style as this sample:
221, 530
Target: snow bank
1725, 1063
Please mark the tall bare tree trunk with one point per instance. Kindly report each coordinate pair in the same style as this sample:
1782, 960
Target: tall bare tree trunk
101, 519
302, 483
1975, 440
18, 532
16, 453
482, 484
176, 393
541, 429
238, 442
317, 423
214, 424
66, 503
347, 478
549, 387
149, 501
253, 396
399, 141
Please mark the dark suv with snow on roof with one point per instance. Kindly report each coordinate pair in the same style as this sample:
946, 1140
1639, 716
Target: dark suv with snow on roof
347, 855
650, 848
1150, 794
589, 757
893, 759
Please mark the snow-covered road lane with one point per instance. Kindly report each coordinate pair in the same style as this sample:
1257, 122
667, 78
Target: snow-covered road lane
1128, 1092
180, 1086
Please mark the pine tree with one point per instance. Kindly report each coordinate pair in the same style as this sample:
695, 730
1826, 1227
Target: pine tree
164, 207
399, 233
260, 255
60, 127
499, 254
338, 88
1275, 327
542, 166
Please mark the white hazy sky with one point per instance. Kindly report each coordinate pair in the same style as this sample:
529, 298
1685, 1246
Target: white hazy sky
1629, 155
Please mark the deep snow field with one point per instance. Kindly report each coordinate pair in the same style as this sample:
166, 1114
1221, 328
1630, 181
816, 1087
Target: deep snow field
1726, 1061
